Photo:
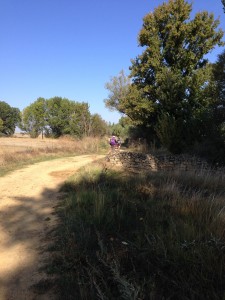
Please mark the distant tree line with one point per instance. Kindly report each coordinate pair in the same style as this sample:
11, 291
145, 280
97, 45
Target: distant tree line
54, 117
173, 95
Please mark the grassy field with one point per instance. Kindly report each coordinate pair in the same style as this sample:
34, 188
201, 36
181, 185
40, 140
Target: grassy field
18, 151
141, 236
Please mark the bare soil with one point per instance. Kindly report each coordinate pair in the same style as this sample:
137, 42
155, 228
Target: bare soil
28, 198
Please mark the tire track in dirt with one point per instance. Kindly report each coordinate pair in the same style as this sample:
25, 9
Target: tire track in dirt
27, 200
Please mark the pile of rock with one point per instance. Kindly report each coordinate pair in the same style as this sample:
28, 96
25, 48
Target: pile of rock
141, 161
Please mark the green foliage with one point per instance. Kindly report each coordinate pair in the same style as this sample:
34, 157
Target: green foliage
118, 88
169, 130
122, 128
98, 127
10, 117
219, 95
171, 76
1, 125
34, 118
59, 116
219, 78
116, 129
210, 118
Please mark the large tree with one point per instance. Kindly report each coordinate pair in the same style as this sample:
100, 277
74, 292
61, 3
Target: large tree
9, 118
58, 114
79, 120
170, 76
34, 118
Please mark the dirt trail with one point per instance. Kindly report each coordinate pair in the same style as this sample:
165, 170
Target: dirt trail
27, 200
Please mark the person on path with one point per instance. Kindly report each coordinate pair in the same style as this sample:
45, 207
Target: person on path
113, 142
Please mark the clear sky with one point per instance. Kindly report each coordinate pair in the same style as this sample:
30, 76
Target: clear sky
71, 48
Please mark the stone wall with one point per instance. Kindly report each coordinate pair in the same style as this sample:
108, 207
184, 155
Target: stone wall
139, 161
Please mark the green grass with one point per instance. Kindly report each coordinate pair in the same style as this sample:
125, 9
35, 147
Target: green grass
149, 236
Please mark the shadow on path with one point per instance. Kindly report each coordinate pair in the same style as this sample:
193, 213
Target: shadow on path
27, 230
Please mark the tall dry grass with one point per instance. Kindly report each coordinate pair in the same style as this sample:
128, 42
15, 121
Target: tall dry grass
148, 236
18, 151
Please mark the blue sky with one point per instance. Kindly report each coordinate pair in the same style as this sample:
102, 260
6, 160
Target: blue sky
71, 48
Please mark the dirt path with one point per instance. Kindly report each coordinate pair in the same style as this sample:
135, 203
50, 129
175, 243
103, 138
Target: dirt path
27, 200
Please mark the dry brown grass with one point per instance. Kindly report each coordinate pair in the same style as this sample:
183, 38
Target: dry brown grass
17, 150
153, 235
